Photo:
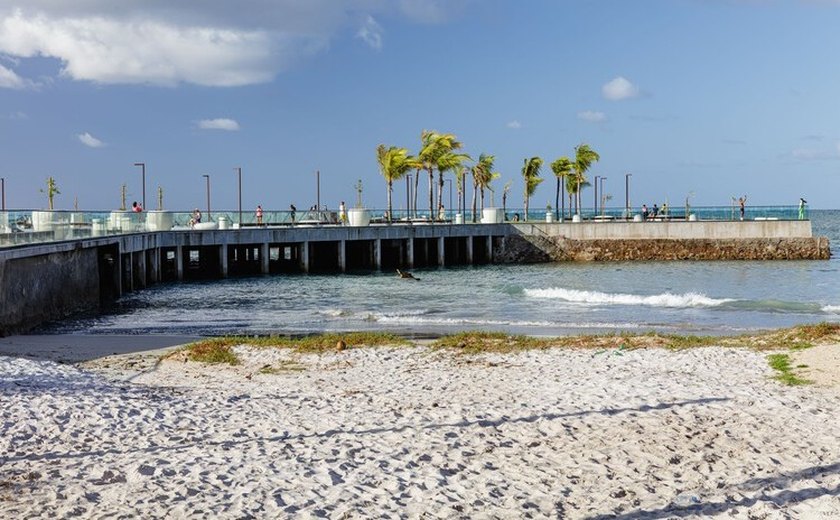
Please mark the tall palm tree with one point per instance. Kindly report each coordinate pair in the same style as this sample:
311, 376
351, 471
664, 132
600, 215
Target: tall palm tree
584, 157
562, 168
393, 165
483, 175
505, 191
531, 174
449, 161
433, 155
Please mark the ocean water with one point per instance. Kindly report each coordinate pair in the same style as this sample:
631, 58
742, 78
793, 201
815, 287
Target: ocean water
546, 299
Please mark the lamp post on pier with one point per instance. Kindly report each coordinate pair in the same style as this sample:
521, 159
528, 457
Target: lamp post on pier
408, 197
595, 205
449, 181
603, 197
3, 189
142, 166
239, 174
627, 193
207, 177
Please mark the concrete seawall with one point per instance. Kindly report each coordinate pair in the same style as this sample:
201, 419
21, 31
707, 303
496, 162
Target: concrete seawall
48, 281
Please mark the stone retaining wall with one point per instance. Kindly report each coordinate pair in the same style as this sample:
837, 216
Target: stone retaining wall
540, 248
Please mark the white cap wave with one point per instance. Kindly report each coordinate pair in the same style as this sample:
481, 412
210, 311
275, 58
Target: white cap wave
657, 300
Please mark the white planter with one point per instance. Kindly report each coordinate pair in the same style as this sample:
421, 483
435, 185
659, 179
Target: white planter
576, 218
42, 221
637, 218
459, 218
492, 216
692, 218
549, 216
224, 223
158, 220
205, 226
358, 217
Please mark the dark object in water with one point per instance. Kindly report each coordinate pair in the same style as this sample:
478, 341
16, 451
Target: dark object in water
406, 274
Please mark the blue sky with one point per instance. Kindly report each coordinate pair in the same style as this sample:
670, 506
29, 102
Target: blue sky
717, 98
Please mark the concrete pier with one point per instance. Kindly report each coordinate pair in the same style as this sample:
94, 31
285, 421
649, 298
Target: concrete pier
39, 282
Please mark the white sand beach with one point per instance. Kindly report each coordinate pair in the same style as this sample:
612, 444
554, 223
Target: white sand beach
413, 432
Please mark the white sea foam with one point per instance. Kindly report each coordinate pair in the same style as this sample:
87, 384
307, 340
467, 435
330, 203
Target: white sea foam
420, 320
656, 300
831, 309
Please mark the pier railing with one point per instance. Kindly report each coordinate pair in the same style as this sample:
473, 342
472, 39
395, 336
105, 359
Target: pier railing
18, 227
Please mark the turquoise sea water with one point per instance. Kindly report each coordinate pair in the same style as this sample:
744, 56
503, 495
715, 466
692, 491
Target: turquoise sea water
546, 299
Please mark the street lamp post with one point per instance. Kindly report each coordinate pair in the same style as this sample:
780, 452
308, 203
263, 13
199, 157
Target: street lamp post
603, 197
449, 181
595, 208
408, 196
627, 193
3, 190
142, 166
239, 174
206, 176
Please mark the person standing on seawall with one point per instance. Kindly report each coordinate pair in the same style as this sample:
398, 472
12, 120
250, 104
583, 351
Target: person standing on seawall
802, 203
259, 214
342, 213
741, 202
292, 210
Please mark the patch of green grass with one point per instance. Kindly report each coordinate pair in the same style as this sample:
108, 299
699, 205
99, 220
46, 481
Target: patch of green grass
472, 342
781, 364
213, 351
214, 348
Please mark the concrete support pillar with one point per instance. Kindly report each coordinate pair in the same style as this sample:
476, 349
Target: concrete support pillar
409, 252
179, 262
223, 260
141, 266
489, 249
264, 269
342, 255
469, 250
304, 256
130, 272
156, 273
377, 253
441, 251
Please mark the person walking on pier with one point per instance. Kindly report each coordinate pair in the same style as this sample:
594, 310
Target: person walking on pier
292, 210
135, 207
259, 215
802, 203
741, 202
342, 213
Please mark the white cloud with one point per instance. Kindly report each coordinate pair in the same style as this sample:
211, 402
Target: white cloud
204, 42
516, 125
219, 124
592, 116
814, 154
371, 33
10, 79
619, 88
89, 140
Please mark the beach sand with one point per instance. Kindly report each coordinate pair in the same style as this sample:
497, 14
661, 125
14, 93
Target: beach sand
411, 431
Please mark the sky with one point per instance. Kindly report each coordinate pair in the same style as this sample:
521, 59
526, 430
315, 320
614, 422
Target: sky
707, 99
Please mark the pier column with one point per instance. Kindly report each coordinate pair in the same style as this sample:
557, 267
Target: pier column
469, 250
441, 251
156, 274
342, 256
141, 265
489, 249
304, 256
409, 252
179, 262
223, 260
264, 268
130, 273
377, 253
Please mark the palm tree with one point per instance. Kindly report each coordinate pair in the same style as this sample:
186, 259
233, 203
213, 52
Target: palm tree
393, 165
483, 175
562, 168
449, 161
434, 154
584, 157
505, 191
531, 174
51, 191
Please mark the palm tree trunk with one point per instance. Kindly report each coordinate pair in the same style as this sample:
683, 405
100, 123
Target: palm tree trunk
440, 191
416, 185
475, 200
482, 199
557, 200
390, 210
527, 198
562, 198
431, 194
